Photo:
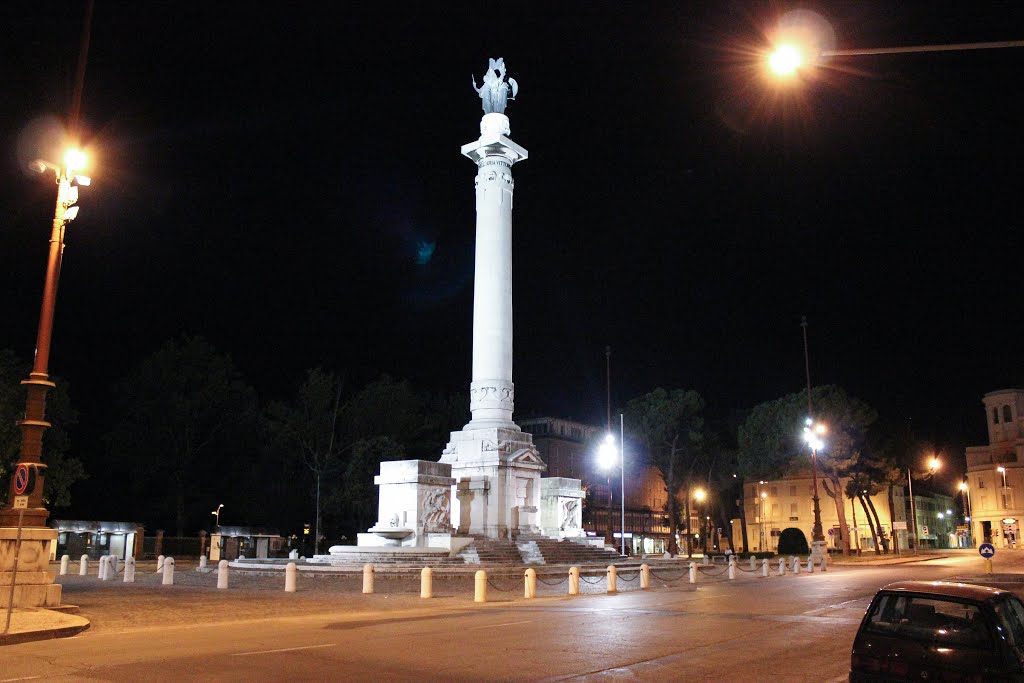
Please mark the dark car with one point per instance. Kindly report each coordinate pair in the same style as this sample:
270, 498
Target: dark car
940, 631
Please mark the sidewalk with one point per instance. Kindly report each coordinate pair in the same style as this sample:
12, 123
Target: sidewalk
28, 624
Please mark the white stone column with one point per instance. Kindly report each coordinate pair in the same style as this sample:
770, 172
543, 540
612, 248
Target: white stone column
492, 393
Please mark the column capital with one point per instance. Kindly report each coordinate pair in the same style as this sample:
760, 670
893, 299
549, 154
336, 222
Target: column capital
494, 145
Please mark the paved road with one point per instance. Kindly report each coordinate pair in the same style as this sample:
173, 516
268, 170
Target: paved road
796, 628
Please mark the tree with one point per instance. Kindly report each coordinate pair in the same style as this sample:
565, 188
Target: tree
770, 443
63, 470
183, 412
670, 426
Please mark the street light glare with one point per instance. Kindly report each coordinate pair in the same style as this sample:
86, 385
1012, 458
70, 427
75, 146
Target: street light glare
607, 453
75, 160
934, 464
699, 494
785, 60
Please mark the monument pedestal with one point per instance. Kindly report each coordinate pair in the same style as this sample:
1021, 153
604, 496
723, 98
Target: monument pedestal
561, 507
414, 505
497, 472
34, 586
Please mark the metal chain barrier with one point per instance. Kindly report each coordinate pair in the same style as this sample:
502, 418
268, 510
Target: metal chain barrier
497, 588
634, 577
552, 583
597, 579
748, 569
667, 580
712, 573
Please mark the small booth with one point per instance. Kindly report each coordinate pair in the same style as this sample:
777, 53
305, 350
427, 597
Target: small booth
96, 539
232, 542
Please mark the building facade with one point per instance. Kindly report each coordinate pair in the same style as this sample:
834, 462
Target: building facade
995, 470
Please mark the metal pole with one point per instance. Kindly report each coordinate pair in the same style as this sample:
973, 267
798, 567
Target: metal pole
14, 573
970, 524
622, 476
913, 510
608, 383
817, 534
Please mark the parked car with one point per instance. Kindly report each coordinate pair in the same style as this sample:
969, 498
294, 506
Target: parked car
940, 631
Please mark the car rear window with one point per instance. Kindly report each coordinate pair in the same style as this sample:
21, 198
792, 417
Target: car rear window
1011, 620
937, 620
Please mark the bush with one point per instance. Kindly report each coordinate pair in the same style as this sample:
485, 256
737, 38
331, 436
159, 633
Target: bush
793, 542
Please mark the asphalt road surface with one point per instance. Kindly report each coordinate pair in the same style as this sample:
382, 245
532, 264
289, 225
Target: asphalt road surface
793, 628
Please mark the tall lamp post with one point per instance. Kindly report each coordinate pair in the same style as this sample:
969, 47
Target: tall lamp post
699, 495
26, 489
933, 465
607, 455
1002, 470
216, 514
965, 493
813, 435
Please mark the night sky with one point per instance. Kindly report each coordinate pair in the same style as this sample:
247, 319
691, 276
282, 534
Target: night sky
286, 181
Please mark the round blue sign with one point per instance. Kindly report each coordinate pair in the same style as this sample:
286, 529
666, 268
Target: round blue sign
986, 550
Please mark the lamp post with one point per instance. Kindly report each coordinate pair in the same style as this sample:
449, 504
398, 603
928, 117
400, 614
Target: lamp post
216, 514
27, 492
933, 465
965, 493
1002, 470
699, 495
814, 440
607, 455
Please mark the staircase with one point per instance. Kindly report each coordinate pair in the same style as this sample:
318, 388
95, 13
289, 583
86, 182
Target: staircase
534, 550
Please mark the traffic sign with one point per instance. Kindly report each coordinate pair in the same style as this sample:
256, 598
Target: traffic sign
986, 550
21, 503
21, 478
924, 529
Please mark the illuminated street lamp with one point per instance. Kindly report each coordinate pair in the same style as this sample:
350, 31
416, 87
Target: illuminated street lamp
608, 456
699, 495
965, 493
933, 466
27, 492
216, 514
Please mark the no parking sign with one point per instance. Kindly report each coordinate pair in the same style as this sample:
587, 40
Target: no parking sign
21, 478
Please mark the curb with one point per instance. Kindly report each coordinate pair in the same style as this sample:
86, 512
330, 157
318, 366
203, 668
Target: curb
42, 634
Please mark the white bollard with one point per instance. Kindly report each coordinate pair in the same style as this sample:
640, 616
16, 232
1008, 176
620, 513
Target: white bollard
530, 583
129, 570
159, 563
764, 568
104, 573
704, 560
367, 578
168, 579
645, 576
290, 570
796, 566
574, 580
782, 566
222, 574
115, 564
426, 582
64, 561
480, 592
810, 565
693, 572
732, 568
83, 566
202, 561
612, 579
293, 555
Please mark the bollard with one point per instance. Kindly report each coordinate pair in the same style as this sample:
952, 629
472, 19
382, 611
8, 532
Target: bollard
83, 566
64, 564
427, 583
612, 579
732, 568
104, 569
782, 567
115, 565
796, 566
824, 562
704, 560
988, 566
753, 563
530, 583
693, 572
222, 574
810, 565
574, 580
367, 578
202, 561
764, 568
293, 555
168, 579
645, 576
129, 570
159, 563
480, 592
289, 577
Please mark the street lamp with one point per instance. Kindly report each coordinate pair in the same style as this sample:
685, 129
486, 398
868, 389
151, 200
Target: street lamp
965, 492
1002, 470
814, 437
216, 513
26, 492
608, 455
933, 465
699, 495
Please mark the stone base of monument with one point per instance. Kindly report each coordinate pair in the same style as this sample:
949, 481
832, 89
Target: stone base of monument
33, 586
561, 507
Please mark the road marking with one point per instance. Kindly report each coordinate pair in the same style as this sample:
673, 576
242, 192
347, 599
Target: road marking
509, 623
24, 678
267, 652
